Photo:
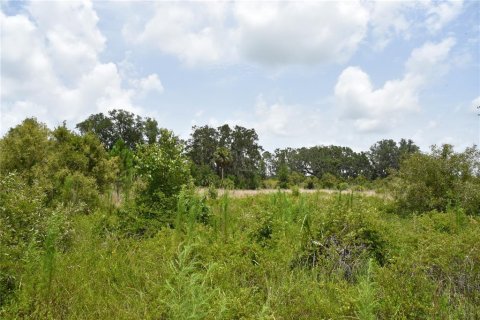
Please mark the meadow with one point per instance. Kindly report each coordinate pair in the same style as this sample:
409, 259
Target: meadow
267, 256
144, 232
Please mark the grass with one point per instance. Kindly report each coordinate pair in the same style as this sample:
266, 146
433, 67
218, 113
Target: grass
267, 256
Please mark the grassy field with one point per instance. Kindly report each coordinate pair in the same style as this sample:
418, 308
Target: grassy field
265, 256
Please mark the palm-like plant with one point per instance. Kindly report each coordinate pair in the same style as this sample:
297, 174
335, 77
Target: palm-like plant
223, 158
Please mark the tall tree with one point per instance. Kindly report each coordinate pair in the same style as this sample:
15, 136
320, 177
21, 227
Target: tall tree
223, 158
25, 148
120, 125
384, 156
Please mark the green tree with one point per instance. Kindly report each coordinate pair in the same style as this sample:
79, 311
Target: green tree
246, 157
120, 125
223, 158
151, 130
24, 149
164, 170
384, 156
440, 179
282, 176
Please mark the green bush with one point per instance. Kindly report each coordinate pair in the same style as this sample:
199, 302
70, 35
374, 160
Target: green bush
438, 180
329, 181
227, 183
164, 170
311, 182
270, 183
25, 223
295, 191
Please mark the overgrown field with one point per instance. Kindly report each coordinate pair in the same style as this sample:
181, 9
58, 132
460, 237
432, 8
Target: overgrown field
275, 256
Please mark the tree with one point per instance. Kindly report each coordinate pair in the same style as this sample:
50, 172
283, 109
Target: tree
246, 157
151, 130
242, 144
384, 156
100, 125
120, 125
164, 170
440, 179
282, 176
202, 145
25, 148
223, 158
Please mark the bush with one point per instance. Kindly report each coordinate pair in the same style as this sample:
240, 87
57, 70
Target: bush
282, 176
164, 170
25, 223
312, 182
296, 178
344, 243
227, 184
295, 191
212, 192
329, 181
270, 183
438, 180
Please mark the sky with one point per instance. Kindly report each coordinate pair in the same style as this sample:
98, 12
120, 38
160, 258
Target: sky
301, 73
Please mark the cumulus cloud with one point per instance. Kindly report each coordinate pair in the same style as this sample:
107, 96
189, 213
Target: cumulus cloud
272, 33
51, 67
194, 32
377, 109
278, 33
440, 14
389, 19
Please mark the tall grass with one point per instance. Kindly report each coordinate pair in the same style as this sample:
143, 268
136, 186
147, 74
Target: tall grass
274, 256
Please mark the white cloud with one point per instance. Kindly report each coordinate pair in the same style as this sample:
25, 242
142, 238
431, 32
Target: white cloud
149, 84
440, 14
278, 33
51, 66
389, 19
377, 109
272, 33
194, 33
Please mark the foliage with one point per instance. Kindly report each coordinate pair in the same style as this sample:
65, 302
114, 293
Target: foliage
282, 176
24, 226
24, 149
153, 247
385, 155
120, 125
164, 170
439, 180
227, 152
329, 181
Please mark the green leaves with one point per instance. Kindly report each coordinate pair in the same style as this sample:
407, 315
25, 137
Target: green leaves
164, 170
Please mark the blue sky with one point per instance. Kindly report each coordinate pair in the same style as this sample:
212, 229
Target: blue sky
301, 73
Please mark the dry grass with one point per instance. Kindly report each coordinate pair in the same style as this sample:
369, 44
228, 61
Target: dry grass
250, 193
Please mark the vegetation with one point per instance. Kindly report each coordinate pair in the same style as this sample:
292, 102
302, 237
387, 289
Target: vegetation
108, 224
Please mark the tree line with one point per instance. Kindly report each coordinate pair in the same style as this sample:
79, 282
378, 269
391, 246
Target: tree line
232, 157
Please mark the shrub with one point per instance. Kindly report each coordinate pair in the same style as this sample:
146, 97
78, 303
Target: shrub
295, 191
282, 176
164, 170
438, 180
227, 183
212, 192
311, 182
329, 181
25, 223
344, 243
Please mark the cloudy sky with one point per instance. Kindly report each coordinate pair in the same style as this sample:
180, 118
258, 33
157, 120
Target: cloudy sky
301, 73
